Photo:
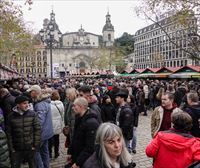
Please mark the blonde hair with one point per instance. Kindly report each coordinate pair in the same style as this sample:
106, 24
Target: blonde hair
108, 131
71, 93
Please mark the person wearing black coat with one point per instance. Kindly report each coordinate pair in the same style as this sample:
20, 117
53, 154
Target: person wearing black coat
23, 132
124, 117
132, 103
7, 102
4, 151
193, 109
108, 113
86, 124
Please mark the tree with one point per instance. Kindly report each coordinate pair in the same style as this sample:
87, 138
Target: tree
14, 36
124, 46
125, 43
183, 14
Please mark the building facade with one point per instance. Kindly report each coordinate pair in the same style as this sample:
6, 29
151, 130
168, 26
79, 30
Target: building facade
163, 44
72, 52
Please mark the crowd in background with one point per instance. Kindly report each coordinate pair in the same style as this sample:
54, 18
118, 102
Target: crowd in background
34, 113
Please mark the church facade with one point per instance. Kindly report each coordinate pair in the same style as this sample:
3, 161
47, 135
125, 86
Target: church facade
72, 52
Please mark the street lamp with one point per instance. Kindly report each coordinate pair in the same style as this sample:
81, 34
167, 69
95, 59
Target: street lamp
47, 36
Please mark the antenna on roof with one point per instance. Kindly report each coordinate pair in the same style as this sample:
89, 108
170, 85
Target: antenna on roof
108, 10
52, 8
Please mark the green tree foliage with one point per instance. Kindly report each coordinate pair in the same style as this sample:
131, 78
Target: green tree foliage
14, 36
125, 43
180, 13
124, 46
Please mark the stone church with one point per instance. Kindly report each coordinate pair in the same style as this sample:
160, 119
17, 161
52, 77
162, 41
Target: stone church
72, 52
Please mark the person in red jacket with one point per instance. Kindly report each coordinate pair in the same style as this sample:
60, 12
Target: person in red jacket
175, 148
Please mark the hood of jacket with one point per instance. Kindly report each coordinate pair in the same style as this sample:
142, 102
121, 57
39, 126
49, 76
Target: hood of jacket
16, 110
175, 142
43, 97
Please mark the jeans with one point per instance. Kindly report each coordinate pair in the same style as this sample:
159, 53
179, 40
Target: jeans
134, 139
127, 142
18, 157
42, 155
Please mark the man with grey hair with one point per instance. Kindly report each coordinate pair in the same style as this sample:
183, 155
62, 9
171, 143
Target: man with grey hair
193, 109
42, 106
86, 124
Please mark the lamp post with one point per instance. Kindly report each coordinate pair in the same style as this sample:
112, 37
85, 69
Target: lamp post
47, 36
1, 30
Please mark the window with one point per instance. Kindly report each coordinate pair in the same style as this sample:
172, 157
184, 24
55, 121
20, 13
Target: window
39, 64
178, 63
44, 53
185, 62
109, 37
27, 70
39, 70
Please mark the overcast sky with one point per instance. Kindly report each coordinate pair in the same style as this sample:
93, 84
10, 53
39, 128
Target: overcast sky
91, 14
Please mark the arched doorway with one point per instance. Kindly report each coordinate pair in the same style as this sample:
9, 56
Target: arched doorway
82, 67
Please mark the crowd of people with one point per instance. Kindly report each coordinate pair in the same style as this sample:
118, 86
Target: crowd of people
99, 118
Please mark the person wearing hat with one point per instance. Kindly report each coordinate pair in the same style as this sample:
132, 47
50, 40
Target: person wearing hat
42, 106
124, 117
23, 132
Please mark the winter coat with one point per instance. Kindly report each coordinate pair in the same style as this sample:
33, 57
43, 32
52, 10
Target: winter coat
194, 112
69, 116
42, 107
2, 125
179, 95
57, 112
23, 130
82, 145
94, 106
7, 103
126, 120
171, 149
4, 151
157, 118
93, 162
135, 114
108, 113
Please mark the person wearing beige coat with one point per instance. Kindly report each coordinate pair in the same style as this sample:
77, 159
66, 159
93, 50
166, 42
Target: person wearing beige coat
161, 116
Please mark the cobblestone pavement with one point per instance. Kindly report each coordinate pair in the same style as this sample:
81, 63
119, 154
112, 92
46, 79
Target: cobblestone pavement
143, 138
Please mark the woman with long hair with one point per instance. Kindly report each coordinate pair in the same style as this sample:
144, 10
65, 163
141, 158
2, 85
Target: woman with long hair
69, 115
110, 149
108, 112
57, 110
